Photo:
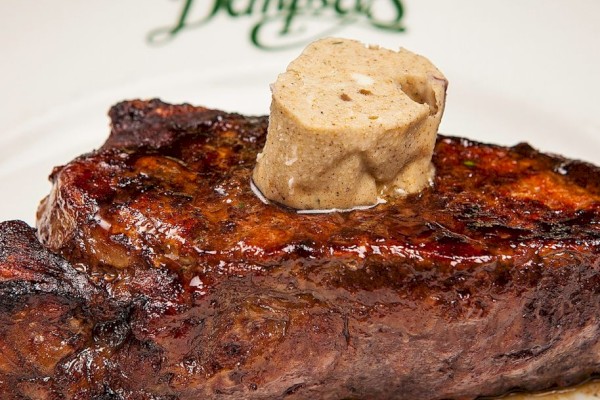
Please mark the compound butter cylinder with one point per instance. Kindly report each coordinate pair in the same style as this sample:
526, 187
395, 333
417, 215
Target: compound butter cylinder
350, 125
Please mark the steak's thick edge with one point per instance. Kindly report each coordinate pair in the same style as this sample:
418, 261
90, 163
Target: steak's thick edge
487, 282
50, 315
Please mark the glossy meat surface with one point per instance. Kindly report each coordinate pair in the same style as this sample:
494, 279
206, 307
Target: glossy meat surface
46, 318
487, 282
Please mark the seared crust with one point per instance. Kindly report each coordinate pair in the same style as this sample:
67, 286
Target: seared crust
46, 319
486, 282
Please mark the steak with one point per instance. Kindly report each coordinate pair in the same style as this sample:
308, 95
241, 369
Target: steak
163, 276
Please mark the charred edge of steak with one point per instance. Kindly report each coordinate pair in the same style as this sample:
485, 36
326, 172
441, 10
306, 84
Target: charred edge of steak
57, 328
28, 267
155, 124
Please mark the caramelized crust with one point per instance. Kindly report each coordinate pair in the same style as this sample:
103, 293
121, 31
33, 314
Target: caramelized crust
486, 282
46, 317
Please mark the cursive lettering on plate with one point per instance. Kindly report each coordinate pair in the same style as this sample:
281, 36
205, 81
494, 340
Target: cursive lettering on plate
279, 24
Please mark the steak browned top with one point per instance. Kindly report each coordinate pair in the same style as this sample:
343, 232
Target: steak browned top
487, 281
171, 189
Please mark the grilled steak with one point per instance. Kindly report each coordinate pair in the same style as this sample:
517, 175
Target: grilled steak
187, 286
49, 315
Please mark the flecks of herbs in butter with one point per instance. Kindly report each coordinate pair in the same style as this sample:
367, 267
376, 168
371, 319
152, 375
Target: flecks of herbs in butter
350, 124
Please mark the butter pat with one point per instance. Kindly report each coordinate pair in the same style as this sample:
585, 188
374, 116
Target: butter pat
350, 124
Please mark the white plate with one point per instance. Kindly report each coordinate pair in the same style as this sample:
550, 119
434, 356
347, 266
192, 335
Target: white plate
519, 70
